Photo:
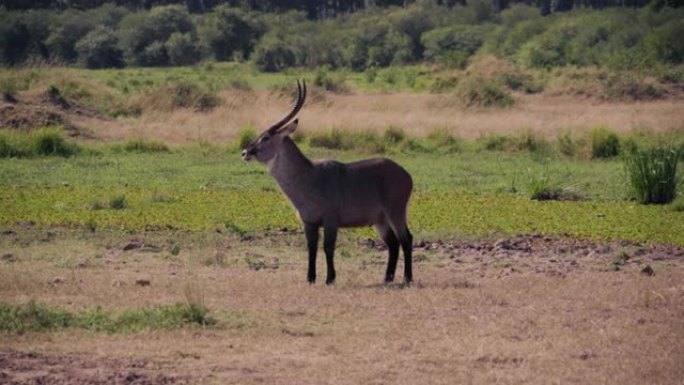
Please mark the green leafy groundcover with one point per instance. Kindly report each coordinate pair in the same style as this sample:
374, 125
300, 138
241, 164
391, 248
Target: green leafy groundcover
260, 210
36, 317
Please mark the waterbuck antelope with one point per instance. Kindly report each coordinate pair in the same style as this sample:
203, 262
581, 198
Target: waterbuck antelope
330, 194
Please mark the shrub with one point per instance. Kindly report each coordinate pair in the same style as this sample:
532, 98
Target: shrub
273, 55
67, 29
182, 49
483, 93
652, 174
464, 39
604, 143
229, 32
333, 83
99, 49
519, 81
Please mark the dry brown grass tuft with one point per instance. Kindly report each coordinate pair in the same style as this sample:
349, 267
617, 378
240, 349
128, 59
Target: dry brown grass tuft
416, 114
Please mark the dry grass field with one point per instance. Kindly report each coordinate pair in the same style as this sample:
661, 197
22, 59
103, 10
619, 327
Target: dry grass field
416, 113
528, 309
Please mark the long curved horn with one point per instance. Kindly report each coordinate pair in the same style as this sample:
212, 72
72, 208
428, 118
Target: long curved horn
301, 96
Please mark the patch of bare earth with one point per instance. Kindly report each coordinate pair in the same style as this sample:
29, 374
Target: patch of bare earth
527, 309
37, 368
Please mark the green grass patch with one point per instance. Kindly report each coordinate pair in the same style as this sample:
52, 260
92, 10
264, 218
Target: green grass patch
43, 142
37, 317
466, 192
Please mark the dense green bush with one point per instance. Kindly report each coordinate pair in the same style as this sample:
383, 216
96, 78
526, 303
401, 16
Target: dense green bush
66, 30
271, 55
99, 49
182, 49
443, 43
144, 35
620, 38
230, 32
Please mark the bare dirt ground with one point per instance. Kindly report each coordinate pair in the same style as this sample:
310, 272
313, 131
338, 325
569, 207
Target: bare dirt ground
527, 309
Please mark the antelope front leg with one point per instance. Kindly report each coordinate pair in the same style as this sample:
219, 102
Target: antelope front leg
311, 232
329, 238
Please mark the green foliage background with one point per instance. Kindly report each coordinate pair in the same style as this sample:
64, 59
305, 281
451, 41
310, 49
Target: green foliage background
101, 35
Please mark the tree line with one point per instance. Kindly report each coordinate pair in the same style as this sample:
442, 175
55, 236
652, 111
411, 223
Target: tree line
276, 34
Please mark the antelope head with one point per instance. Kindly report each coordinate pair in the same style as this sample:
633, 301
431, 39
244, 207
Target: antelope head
266, 145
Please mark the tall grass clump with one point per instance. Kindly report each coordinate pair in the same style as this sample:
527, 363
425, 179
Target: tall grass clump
245, 137
141, 146
442, 141
49, 141
332, 83
118, 202
652, 174
8, 148
542, 187
527, 140
494, 142
604, 143
566, 144
9, 89
32, 317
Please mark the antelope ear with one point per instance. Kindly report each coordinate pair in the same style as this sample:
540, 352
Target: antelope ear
290, 128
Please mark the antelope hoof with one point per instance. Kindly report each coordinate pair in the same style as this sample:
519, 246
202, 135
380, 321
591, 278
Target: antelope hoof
389, 278
330, 280
311, 280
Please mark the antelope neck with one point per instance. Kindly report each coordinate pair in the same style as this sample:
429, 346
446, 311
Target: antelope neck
291, 169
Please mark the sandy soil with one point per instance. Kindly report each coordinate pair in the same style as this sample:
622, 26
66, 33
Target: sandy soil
528, 309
